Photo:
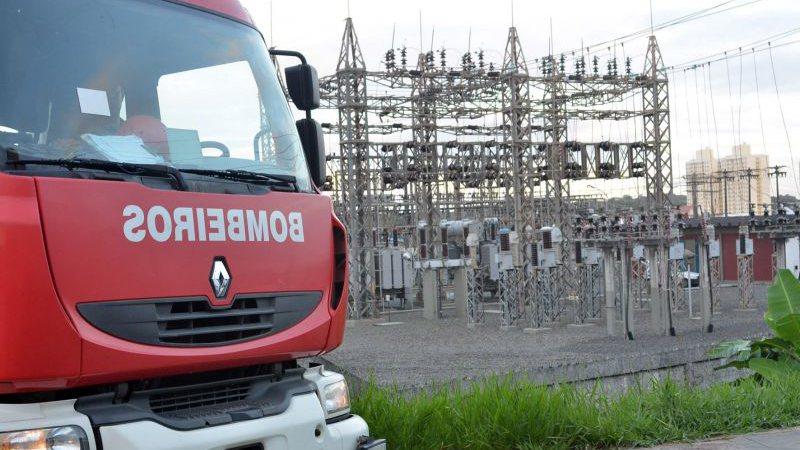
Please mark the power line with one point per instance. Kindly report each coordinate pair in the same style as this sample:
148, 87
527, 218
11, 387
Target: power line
783, 118
730, 102
749, 174
707, 12
762, 44
713, 110
676, 69
705, 109
758, 99
776, 172
697, 102
724, 176
688, 110
739, 114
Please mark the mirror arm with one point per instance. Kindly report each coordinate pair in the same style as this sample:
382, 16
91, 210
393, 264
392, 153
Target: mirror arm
298, 55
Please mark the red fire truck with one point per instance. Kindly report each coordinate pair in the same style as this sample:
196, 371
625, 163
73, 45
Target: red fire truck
166, 257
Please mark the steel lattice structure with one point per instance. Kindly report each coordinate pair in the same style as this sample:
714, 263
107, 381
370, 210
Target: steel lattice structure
351, 100
423, 145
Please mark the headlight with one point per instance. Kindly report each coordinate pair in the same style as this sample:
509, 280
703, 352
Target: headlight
61, 438
336, 398
331, 390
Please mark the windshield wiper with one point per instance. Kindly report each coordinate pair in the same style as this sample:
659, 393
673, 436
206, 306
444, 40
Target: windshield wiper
108, 166
267, 179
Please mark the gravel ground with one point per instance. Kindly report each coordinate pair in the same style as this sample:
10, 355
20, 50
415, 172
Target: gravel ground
418, 352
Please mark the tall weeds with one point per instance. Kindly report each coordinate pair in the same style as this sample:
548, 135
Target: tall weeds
501, 413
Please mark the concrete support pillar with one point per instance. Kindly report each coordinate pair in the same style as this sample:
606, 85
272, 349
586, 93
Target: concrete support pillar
430, 294
705, 288
667, 325
627, 303
608, 277
460, 291
656, 301
627, 309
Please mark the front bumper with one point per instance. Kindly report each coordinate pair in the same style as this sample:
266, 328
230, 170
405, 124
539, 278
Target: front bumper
301, 426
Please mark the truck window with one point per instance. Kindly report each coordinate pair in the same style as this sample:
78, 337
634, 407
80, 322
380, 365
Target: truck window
181, 88
217, 103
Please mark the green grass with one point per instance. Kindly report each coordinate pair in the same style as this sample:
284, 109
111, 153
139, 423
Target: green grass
500, 413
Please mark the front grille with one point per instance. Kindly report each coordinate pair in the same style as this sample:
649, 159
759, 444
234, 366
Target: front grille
189, 322
199, 398
196, 322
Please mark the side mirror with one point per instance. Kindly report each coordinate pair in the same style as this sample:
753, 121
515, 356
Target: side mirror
303, 85
314, 148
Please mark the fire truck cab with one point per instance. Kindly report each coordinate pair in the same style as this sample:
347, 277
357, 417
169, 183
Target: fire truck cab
167, 258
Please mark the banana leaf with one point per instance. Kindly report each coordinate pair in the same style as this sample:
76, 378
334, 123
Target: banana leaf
739, 348
736, 354
777, 357
740, 352
783, 310
775, 370
774, 348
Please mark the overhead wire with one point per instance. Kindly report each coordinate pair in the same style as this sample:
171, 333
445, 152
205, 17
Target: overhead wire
735, 112
739, 114
783, 118
705, 110
730, 102
765, 45
688, 110
758, 99
697, 103
706, 12
735, 51
730, 54
713, 109
740, 161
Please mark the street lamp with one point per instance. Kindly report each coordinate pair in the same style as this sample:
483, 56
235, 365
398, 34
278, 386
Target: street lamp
605, 195
597, 189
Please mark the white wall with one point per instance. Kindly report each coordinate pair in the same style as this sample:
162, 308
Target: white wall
793, 255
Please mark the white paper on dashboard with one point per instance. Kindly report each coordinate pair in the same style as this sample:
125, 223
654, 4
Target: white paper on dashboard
94, 102
129, 149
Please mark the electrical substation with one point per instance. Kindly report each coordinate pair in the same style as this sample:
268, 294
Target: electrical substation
463, 181
454, 181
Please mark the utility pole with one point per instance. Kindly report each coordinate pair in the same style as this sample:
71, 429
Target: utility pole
693, 182
775, 171
725, 176
712, 210
749, 173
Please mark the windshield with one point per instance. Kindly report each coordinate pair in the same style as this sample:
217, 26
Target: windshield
143, 82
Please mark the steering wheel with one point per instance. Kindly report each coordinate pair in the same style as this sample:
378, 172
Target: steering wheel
217, 145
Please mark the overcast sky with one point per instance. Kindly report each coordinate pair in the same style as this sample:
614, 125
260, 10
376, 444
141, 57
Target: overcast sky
315, 28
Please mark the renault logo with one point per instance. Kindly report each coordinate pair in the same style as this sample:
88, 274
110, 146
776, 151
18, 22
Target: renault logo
220, 277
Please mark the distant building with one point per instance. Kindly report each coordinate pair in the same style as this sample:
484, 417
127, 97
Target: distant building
699, 184
740, 160
705, 174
